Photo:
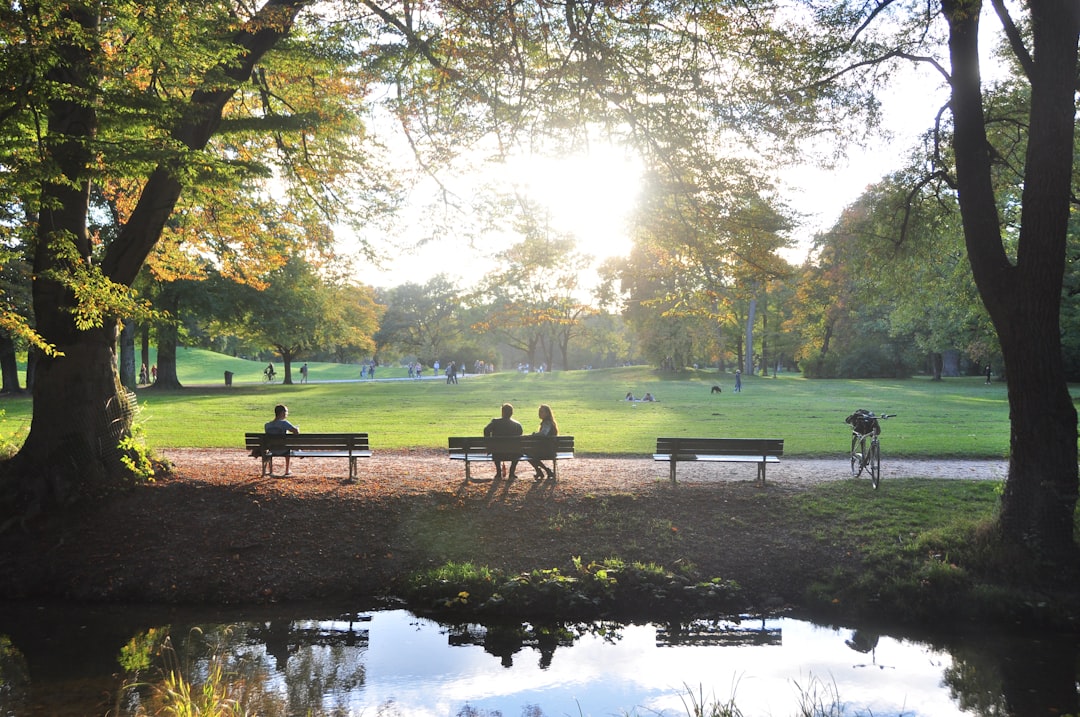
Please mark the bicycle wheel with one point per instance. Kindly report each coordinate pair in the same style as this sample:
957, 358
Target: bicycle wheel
856, 456
873, 462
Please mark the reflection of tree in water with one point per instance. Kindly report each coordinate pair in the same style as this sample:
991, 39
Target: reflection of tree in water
1016, 675
504, 640
313, 660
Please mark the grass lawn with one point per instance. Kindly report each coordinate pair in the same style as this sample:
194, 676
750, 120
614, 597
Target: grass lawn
959, 417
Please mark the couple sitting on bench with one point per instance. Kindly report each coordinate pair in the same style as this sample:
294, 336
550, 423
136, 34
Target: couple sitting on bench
508, 426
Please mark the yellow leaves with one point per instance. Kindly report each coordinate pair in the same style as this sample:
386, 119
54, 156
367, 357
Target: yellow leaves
96, 297
16, 325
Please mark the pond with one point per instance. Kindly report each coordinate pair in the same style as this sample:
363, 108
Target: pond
70, 660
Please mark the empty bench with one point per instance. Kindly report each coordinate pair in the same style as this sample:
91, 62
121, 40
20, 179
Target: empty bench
762, 451
309, 445
481, 448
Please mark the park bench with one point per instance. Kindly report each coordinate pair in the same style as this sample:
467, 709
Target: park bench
309, 445
720, 450
481, 448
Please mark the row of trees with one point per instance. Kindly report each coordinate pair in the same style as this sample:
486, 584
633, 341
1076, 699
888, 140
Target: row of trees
856, 308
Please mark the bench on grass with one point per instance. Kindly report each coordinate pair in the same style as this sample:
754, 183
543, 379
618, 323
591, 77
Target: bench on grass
309, 445
720, 450
481, 448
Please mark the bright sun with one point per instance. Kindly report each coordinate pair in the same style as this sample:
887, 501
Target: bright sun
590, 196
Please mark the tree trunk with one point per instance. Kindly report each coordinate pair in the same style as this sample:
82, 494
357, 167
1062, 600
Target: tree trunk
144, 345
166, 365
9, 366
1024, 299
81, 413
128, 371
748, 369
169, 302
287, 357
765, 333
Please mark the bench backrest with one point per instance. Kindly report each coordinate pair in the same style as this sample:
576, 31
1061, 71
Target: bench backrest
259, 442
729, 446
534, 446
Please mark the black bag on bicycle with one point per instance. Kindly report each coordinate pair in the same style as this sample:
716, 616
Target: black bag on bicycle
863, 421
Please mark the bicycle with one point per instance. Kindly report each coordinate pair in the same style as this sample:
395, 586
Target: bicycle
268, 375
866, 456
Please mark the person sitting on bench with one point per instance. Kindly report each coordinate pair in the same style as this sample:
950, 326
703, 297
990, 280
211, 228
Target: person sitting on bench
504, 426
548, 427
279, 427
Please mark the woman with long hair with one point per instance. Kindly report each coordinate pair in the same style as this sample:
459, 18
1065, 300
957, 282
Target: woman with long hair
549, 428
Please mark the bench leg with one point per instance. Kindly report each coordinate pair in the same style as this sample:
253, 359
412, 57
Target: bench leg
468, 474
672, 469
761, 472
266, 462
352, 469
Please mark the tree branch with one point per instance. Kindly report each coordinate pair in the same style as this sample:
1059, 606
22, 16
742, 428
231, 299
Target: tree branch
1016, 42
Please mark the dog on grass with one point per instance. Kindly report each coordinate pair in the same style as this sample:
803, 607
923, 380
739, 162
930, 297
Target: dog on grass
716, 389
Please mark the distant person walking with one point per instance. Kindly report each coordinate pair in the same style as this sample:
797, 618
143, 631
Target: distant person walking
738, 381
303, 373
989, 373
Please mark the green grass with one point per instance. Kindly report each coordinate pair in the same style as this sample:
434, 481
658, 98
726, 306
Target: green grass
951, 418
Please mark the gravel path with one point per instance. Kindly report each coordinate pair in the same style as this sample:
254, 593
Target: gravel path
423, 467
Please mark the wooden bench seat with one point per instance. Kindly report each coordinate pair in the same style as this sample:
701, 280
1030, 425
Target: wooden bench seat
720, 450
481, 448
309, 445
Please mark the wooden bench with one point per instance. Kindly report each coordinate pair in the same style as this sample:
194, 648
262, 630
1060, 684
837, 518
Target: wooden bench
309, 445
720, 450
481, 448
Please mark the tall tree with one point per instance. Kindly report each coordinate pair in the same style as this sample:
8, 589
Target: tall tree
422, 320
1017, 250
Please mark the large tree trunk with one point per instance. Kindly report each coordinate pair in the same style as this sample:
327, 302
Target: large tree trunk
1023, 299
81, 414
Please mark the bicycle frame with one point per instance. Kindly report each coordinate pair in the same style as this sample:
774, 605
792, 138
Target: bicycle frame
866, 455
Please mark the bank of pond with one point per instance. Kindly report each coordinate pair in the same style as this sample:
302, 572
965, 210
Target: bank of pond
64, 659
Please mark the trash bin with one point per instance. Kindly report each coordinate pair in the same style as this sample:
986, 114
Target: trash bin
228, 378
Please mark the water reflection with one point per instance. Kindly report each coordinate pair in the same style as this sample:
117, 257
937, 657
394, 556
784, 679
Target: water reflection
61, 660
